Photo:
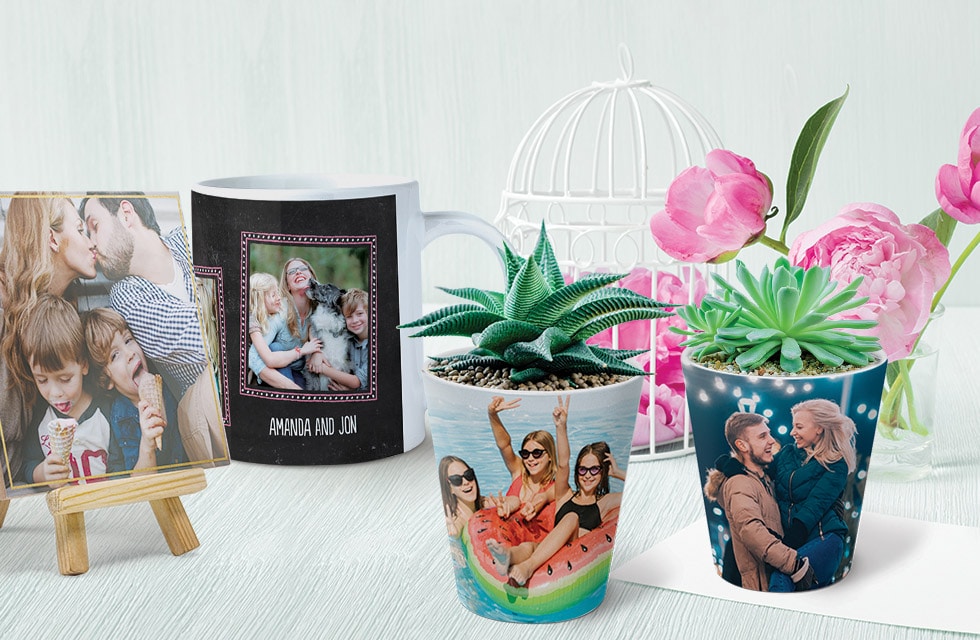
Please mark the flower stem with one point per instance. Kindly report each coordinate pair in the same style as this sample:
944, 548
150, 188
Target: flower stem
956, 267
774, 244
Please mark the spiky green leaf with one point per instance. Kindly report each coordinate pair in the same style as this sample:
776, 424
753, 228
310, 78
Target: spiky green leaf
544, 254
499, 335
465, 323
563, 299
610, 320
591, 311
440, 314
512, 262
492, 301
528, 291
471, 360
550, 342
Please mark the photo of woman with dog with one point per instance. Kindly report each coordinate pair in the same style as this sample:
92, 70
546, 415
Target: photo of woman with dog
318, 340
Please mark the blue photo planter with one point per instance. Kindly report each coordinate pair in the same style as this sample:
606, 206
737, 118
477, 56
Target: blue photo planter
713, 396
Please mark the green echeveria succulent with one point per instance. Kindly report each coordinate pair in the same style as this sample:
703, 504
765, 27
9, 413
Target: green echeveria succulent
539, 325
786, 311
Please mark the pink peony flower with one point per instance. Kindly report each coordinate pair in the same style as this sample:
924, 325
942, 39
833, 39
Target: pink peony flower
671, 288
958, 186
710, 213
667, 413
902, 265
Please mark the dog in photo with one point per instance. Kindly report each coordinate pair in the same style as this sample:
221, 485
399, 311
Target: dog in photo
327, 323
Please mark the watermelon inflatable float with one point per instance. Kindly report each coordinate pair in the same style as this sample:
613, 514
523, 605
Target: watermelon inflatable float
577, 573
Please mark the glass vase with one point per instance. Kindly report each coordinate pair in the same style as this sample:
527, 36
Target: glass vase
907, 419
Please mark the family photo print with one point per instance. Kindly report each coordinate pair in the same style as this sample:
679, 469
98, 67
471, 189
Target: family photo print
105, 368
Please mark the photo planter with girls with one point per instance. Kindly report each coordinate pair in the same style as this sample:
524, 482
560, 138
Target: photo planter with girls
532, 430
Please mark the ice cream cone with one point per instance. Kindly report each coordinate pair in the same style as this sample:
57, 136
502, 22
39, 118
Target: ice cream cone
151, 391
61, 435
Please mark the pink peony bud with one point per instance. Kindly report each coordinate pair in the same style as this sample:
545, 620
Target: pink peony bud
710, 213
958, 187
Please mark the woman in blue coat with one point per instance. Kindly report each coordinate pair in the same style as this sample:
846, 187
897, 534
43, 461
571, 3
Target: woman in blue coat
809, 479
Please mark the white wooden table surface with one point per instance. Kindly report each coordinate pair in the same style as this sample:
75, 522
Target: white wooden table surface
360, 551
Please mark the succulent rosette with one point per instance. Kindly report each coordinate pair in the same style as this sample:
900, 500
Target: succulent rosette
781, 315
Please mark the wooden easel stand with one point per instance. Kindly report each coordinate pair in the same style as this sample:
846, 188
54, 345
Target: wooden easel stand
69, 504
3, 510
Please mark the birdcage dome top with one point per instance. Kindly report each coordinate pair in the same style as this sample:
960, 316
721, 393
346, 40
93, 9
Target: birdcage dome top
620, 141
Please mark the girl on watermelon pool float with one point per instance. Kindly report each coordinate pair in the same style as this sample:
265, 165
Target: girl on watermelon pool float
460, 493
531, 495
579, 511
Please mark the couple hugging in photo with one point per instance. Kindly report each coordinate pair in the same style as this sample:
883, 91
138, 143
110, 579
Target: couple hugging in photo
785, 508
307, 335
540, 512
71, 380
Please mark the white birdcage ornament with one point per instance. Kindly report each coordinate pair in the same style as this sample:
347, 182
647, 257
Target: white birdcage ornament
595, 166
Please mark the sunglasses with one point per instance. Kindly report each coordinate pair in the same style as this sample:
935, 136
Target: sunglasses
534, 453
295, 270
592, 471
456, 480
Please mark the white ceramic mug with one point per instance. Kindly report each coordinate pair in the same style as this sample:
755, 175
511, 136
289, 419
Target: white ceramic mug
356, 232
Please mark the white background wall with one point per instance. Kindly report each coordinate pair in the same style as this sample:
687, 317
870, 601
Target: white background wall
158, 95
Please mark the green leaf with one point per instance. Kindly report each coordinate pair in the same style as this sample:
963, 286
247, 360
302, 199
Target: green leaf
544, 254
492, 300
815, 286
531, 374
803, 166
607, 321
528, 291
761, 335
512, 262
940, 222
581, 316
465, 323
758, 354
543, 347
439, 314
790, 356
499, 335
618, 354
472, 360
787, 299
552, 307
822, 354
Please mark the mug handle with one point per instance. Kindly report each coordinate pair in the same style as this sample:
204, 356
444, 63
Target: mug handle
442, 223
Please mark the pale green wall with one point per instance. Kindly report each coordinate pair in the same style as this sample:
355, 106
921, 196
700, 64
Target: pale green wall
158, 95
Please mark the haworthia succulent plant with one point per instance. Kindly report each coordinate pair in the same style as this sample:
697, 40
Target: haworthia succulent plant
539, 325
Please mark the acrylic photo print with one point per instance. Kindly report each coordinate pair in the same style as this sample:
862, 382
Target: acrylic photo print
105, 367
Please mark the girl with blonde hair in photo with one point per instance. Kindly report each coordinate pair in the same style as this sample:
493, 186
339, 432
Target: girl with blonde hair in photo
586, 507
531, 494
45, 249
809, 480
273, 351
